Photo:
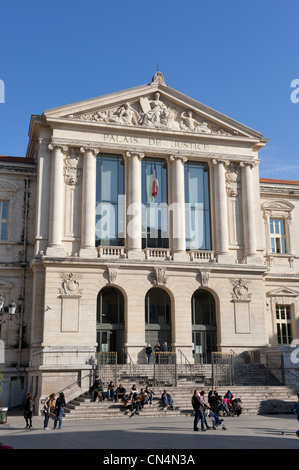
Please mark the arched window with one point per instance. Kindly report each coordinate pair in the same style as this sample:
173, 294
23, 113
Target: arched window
203, 325
110, 321
157, 316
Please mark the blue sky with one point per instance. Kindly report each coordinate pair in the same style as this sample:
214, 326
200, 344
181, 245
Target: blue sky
238, 57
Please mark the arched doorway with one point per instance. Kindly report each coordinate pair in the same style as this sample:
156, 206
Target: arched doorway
111, 321
157, 317
204, 330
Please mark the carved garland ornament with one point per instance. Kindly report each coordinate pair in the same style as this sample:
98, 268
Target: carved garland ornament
70, 284
71, 168
160, 278
240, 290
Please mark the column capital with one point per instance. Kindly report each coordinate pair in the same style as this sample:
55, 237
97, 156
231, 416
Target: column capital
93, 150
53, 145
251, 164
139, 155
184, 159
216, 161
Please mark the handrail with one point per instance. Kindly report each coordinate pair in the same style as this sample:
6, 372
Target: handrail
132, 366
185, 357
187, 362
69, 386
239, 358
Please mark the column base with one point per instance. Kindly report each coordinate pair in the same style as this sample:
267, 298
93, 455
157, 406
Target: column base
254, 259
180, 256
55, 251
225, 259
136, 352
88, 253
136, 254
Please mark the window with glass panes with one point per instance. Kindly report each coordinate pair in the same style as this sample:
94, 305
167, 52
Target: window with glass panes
109, 200
3, 219
277, 235
154, 200
198, 234
284, 324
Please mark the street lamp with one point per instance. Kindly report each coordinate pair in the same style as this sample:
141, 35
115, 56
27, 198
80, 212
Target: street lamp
10, 309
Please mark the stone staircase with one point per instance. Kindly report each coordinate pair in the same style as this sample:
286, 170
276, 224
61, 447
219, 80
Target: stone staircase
255, 400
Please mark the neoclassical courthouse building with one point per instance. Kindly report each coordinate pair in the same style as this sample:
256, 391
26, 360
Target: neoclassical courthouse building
138, 217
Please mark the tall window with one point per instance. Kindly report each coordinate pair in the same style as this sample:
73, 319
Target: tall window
109, 200
198, 235
277, 234
157, 307
110, 309
154, 200
3, 219
284, 324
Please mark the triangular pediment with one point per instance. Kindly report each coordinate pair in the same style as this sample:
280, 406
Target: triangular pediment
283, 292
153, 106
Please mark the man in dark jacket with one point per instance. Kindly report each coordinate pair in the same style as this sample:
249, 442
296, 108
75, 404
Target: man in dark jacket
197, 407
120, 393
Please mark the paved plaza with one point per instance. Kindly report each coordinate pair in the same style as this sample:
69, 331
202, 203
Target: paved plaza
172, 433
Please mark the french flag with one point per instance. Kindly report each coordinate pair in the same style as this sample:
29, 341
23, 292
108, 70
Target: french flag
155, 184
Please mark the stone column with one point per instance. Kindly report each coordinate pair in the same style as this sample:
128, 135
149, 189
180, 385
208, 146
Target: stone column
177, 208
249, 222
221, 214
56, 216
88, 216
134, 205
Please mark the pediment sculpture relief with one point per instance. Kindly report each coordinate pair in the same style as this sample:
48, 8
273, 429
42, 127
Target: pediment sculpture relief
152, 112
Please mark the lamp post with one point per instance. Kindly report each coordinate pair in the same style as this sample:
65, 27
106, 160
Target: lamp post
4, 310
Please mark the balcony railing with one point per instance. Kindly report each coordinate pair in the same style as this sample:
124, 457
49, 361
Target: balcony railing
201, 255
157, 253
154, 253
111, 252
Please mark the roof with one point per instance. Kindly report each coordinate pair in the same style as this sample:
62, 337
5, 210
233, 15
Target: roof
6, 158
274, 181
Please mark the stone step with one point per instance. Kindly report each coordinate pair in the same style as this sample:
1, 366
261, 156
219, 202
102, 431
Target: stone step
255, 399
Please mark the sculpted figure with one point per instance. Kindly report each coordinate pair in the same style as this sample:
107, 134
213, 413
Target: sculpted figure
188, 121
156, 112
127, 115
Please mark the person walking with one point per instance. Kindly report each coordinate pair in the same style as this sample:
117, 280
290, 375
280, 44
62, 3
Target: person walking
197, 407
48, 409
203, 416
28, 410
59, 409
213, 400
148, 352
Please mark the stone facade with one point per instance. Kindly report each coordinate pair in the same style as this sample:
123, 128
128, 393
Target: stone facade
49, 259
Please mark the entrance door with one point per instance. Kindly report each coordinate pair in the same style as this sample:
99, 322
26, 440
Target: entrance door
157, 317
110, 322
204, 331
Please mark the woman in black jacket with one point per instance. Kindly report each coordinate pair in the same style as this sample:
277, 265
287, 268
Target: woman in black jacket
59, 409
28, 410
